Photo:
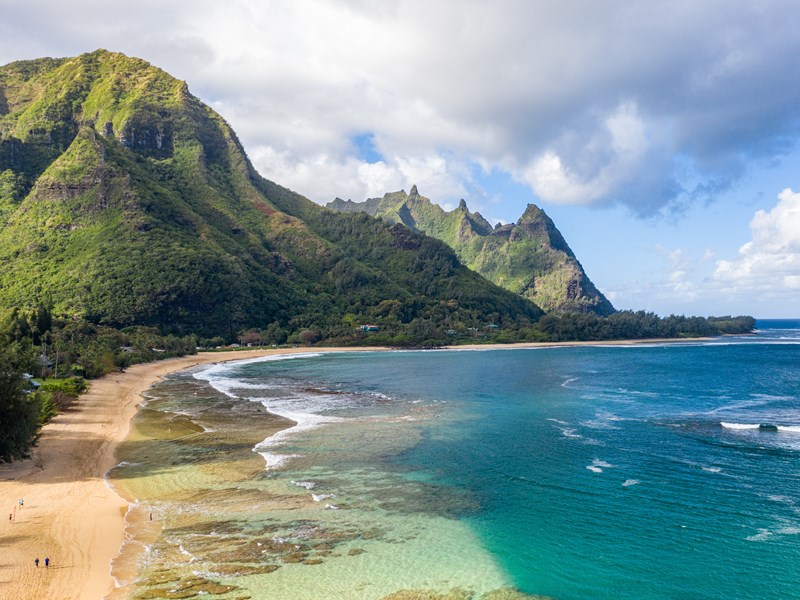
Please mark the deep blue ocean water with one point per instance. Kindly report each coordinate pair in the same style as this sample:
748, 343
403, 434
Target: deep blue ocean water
609, 472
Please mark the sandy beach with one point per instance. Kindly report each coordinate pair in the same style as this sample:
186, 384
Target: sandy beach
70, 515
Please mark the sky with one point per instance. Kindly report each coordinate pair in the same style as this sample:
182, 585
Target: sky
660, 136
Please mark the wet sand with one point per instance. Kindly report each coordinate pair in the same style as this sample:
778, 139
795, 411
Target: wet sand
70, 515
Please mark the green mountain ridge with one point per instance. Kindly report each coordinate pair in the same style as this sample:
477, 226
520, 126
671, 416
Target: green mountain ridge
530, 258
127, 201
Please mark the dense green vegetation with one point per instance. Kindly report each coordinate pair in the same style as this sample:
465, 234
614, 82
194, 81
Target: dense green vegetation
141, 208
530, 257
626, 325
19, 410
44, 362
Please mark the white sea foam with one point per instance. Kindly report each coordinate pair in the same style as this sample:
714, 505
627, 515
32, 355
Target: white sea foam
630, 482
711, 469
603, 420
791, 530
628, 392
185, 552
762, 535
771, 397
569, 432
215, 373
125, 463
781, 499
309, 485
598, 465
759, 401
302, 409
745, 426
303, 422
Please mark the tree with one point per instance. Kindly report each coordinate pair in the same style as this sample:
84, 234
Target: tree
308, 336
19, 411
251, 337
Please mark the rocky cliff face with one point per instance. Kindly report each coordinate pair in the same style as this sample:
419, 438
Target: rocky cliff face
126, 200
530, 258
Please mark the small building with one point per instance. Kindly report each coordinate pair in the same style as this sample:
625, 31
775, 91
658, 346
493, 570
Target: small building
31, 384
370, 328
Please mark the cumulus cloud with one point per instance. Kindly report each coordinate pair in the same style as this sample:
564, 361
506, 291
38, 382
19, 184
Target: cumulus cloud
770, 262
600, 164
584, 102
353, 179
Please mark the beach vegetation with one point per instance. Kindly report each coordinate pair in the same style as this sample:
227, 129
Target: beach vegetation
20, 408
56, 395
44, 361
628, 325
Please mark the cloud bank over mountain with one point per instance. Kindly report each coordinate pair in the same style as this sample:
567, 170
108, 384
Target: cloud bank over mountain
653, 106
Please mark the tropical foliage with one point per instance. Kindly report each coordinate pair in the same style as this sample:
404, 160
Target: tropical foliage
44, 362
530, 257
128, 202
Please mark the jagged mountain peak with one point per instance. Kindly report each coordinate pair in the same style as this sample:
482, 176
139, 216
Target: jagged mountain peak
126, 200
529, 257
532, 213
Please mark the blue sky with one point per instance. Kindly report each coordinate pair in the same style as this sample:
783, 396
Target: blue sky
660, 136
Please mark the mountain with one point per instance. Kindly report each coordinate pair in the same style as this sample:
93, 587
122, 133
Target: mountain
125, 200
530, 257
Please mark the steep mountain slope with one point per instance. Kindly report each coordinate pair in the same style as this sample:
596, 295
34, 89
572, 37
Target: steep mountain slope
530, 258
126, 200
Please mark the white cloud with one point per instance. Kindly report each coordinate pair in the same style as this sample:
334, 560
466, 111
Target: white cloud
352, 179
585, 102
770, 262
676, 280
601, 163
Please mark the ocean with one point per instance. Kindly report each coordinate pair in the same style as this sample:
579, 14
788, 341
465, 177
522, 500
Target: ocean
602, 472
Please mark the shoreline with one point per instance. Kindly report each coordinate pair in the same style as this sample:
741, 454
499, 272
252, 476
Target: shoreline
72, 515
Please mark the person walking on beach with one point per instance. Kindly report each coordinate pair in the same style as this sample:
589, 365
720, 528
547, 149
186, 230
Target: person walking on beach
36, 562
46, 562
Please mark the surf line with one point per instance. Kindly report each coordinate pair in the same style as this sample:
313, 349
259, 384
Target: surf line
216, 377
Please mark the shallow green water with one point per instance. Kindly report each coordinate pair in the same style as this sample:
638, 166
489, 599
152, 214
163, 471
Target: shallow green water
574, 473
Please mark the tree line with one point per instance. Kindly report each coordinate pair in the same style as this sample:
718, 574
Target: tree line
45, 361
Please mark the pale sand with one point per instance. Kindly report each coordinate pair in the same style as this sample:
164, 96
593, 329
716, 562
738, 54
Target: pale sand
636, 342
70, 514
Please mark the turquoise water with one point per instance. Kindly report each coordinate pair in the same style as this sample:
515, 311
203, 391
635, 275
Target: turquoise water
591, 472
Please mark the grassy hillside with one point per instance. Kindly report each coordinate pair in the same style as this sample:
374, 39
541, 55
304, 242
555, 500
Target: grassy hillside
126, 201
530, 258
